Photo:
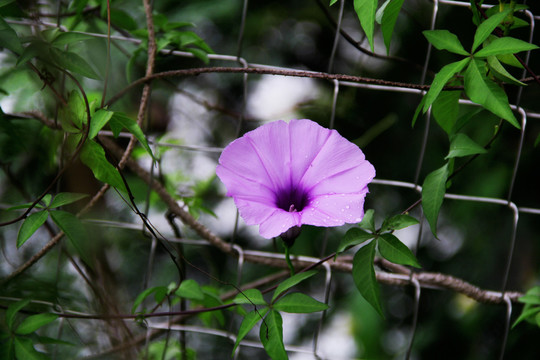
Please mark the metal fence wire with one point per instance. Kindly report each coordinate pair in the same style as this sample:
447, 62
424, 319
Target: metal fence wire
516, 214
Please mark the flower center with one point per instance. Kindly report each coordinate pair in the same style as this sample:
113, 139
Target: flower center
291, 200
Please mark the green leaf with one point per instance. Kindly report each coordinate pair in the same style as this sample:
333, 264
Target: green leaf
487, 93
190, 289
418, 111
390, 11
212, 300
123, 19
70, 37
445, 40
13, 309
510, 59
250, 297
73, 116
393, 250
398, 222
469, 115
271, 335
445, 110
292, 281
74, 230
462, 145
433, 191
486, 28
440, 80
147, 292
526, 315
249, 321
24, 349
501, 73
185, 38
299, 303
46, 200
364, 275
332, 2
9, 38
199, 54
73, 62
6, 2
366, 10
505, 45
99, 120
368, 221
352, 237
30, 226
530, 299
93, 156
34, 322
62, 199
120, 120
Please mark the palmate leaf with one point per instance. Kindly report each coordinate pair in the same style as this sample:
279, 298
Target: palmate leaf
159, 294
352, 237
364, 275
24, 349
462, 145
73, 62
74, 230
398, 222
30, 226
433, 191
34, 322
440, 80
99, 119
9, 38
70, 37
445, 110
93, 156
190, 289
66, 198
487, 93
445, 40
390, 11
366, 10
271, 335
299, 303
368, 221
250, 297
501, 73
486, 28
292, 281
12, 311
250, 320
119, 121
393, 250
504, 45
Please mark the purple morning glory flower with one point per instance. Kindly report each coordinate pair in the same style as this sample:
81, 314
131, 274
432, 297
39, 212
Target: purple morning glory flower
283, 175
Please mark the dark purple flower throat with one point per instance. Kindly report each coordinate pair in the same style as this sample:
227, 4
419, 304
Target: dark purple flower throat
292, 199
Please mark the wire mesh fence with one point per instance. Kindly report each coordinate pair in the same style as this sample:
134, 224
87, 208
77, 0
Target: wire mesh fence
494, 279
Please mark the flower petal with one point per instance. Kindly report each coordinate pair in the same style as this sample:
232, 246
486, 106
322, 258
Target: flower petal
239, 185
278, 223
241, 159
254, 212
303, 150
336, 156
335, 210
271, 144
352, 180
